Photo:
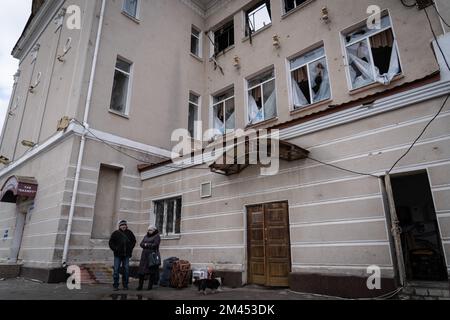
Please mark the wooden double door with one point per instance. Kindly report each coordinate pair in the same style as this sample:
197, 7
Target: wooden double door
268, 243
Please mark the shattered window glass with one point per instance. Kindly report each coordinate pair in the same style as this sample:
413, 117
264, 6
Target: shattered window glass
224, 119
310, 79
262, 103
372, 55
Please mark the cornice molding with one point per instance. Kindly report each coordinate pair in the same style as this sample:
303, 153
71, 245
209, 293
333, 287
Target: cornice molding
195, 7
37, 26
398, 101
206, 11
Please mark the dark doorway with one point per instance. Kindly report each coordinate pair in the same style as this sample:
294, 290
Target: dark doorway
420, 236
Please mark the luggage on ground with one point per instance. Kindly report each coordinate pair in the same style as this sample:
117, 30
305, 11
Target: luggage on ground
167, 271
181, 274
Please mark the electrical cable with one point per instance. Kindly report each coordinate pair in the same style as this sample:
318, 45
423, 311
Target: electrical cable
440, 16
385, 296
421, 134
131, 156
436, 39
344, 169
408, 5
179, 167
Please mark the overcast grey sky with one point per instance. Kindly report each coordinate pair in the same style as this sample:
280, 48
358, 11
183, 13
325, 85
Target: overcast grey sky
13, 17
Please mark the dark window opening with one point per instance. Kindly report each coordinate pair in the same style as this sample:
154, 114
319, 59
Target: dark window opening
382, 45
258, 17
292, 4
224, 37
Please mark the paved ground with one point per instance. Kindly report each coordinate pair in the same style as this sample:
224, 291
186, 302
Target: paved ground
22, 289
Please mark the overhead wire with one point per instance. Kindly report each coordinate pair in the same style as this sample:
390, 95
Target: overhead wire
440, 16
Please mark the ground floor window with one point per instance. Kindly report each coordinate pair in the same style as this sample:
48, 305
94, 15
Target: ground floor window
168, 216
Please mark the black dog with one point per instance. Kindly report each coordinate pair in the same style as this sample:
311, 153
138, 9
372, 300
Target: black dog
204, 284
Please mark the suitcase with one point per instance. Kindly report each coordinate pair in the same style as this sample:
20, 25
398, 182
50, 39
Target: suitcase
181, 274
167, 271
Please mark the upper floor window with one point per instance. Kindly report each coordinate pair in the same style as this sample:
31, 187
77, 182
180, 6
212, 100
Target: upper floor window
310, 79
224, 37
168, 216
194, 106
292, 4
258, 17
262, 98
195, 41
121, 86
130, 7
372, 54
224, 118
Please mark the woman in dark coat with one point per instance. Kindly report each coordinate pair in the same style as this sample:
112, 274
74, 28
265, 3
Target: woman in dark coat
150, 244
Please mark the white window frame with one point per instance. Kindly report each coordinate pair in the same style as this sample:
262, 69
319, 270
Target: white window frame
130, 77
248, 89
138, 10
200, 41
223, 102
209, 195
163, 232
359, 25
197, 132
246, 18
311, 94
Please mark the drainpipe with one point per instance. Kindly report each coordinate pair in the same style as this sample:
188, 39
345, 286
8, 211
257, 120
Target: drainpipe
83, 137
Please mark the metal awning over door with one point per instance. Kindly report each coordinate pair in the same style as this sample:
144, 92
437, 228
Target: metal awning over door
17, 187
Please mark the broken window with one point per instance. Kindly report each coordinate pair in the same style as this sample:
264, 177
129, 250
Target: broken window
224, 37
292, 4
258, 17
262, 98
168, 216
121, 84
130, 7
195, 42
310, 79
372, 55
224, 112
194, 101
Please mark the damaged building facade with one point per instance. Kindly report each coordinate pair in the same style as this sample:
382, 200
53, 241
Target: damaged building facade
87, 139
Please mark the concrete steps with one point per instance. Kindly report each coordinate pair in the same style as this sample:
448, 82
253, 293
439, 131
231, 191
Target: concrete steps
426, 291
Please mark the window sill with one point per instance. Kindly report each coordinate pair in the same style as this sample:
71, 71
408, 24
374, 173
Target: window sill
287, 14
200, 59
137, 20
294, 112
247, 38
261, 123
125, 116
222, 53
172, 237
375, 85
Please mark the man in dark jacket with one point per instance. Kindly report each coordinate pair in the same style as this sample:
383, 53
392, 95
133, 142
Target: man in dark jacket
122, 243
